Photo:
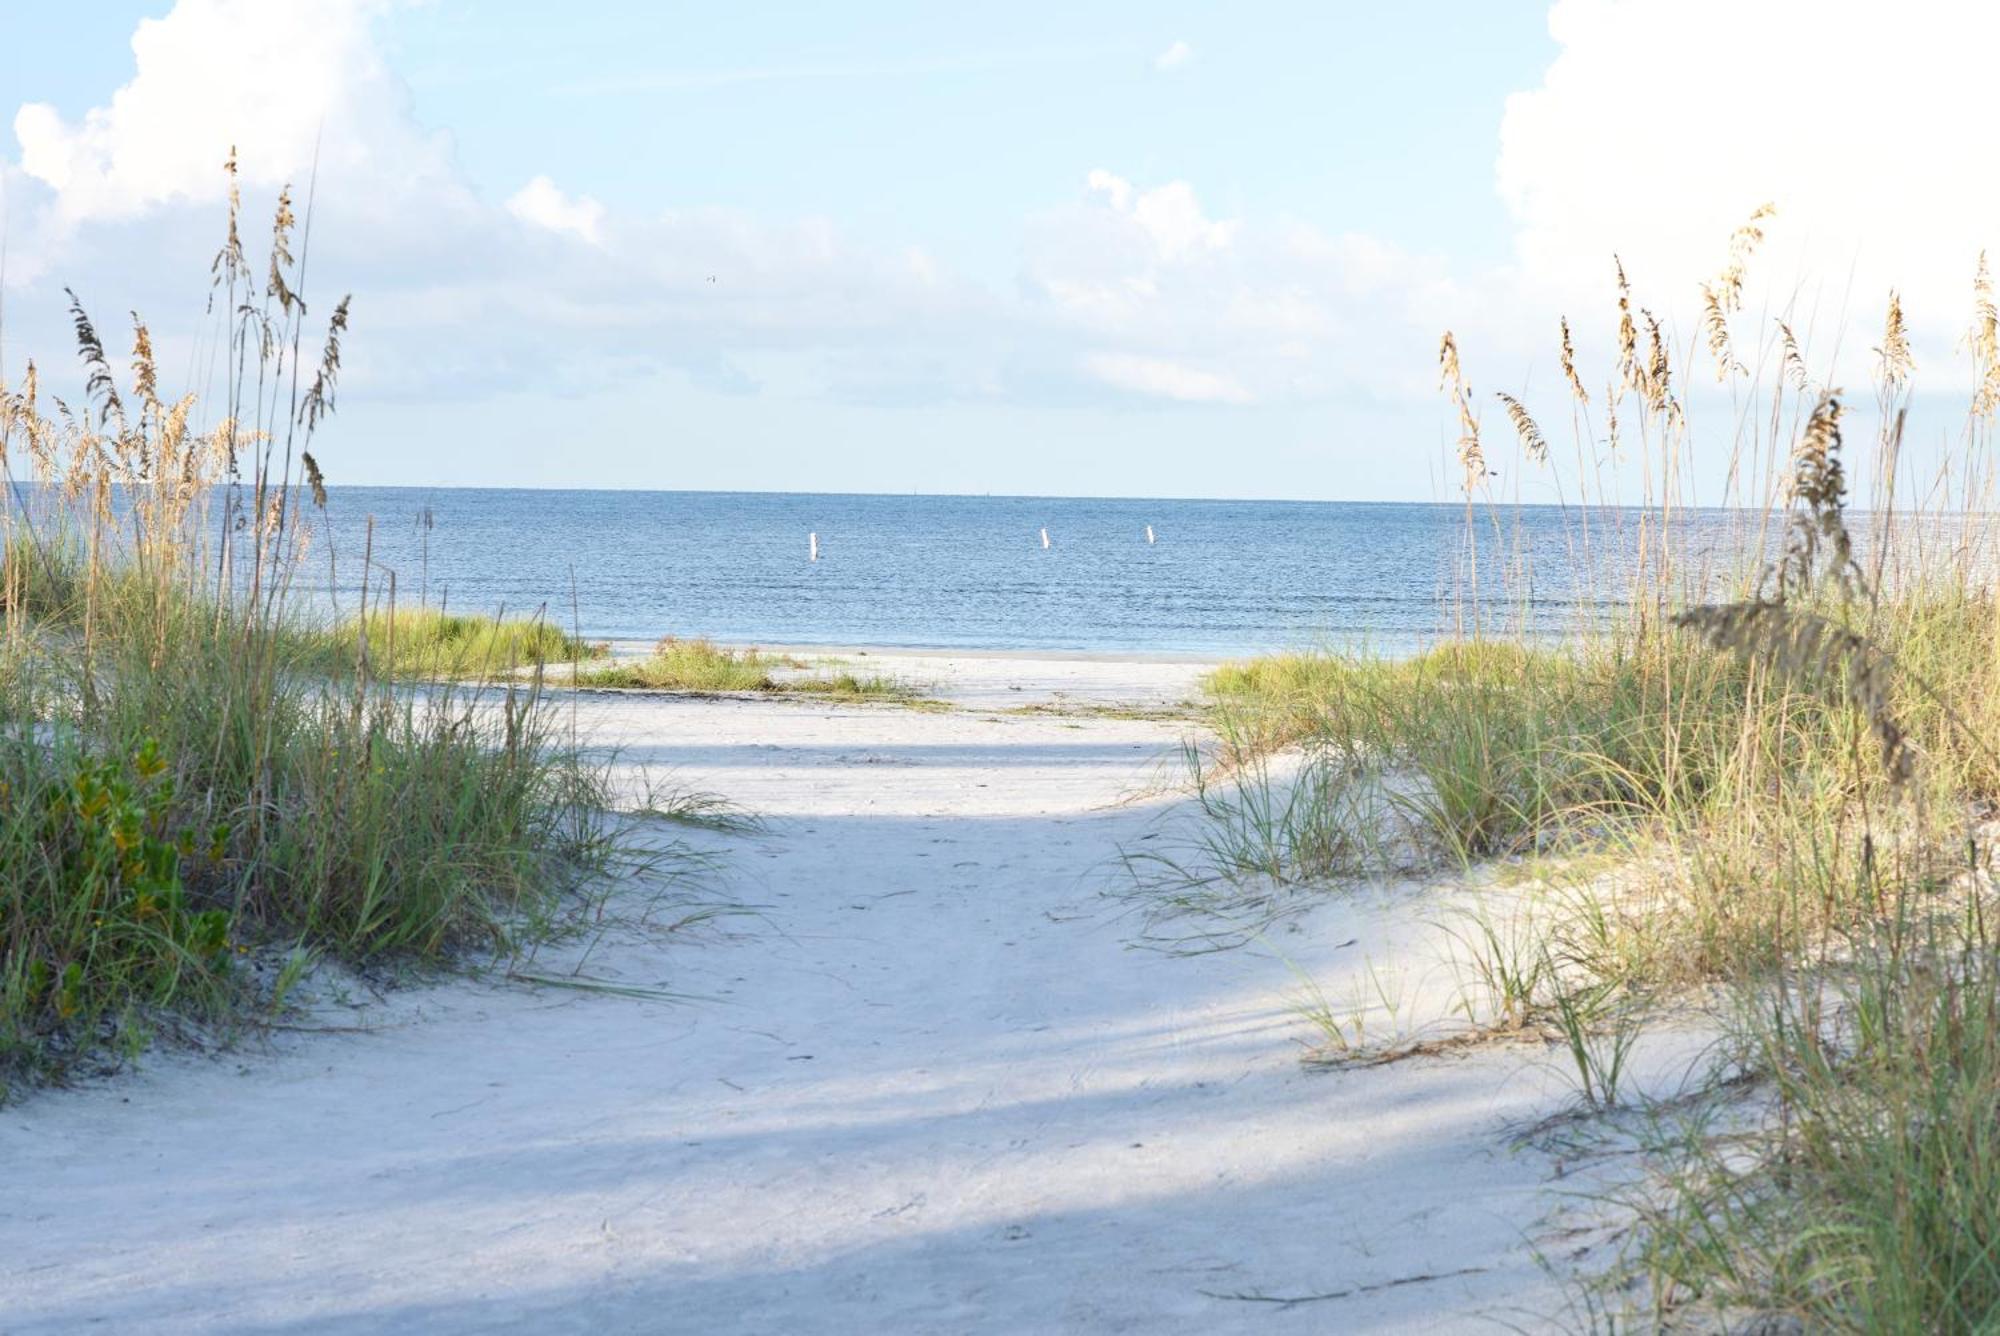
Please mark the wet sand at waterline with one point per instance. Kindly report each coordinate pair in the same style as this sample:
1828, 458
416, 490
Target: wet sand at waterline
927, 1083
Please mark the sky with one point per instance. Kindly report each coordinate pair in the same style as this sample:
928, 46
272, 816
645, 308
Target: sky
1159, 249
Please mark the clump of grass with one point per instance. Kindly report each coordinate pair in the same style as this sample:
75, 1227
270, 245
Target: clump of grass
700, 665
1864, 1194
184, 771
697, 664
430, 643
846, 685
1482, 747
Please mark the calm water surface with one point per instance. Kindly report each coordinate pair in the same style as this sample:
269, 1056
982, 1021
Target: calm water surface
1220, 577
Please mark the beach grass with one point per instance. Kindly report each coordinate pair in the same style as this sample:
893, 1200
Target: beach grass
699, 665
1761, 793
430, 644
190, 773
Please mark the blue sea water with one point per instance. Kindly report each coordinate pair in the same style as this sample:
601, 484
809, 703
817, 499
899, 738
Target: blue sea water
1220, 577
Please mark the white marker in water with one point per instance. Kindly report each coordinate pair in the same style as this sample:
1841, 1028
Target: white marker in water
1149, 533
812, 541
1045, 540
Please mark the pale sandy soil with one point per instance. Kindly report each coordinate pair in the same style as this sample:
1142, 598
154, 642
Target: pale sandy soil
930, 1087
1003, 680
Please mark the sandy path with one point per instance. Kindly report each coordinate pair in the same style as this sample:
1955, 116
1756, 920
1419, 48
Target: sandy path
935, 1091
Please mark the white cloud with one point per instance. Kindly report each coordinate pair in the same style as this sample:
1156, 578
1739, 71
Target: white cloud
287, 85
540, 203
1163, 379
1173, 58
1173, 303
1169, 215
1862, 132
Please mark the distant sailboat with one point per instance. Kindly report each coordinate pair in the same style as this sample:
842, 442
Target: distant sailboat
1045, 540
1149, 533
812, 546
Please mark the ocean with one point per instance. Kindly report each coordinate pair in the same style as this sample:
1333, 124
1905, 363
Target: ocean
1218, 577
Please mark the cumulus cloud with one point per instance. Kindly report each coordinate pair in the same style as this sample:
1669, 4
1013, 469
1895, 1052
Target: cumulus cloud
287, 85
1170, 216
1173, 58
1860, 131
541, 204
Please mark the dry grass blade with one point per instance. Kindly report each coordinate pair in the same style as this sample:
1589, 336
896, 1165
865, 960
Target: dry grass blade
1722, 297
1532, 440
1894, 357
314, 478
1569, 367
1983, 341
281, 254
1656, 379
1630, 372
318, 401
100, 389
229, 263
1818, 546
1449, 375
1792, 363
1743, 242
1715, 324
145, 373
1471, 457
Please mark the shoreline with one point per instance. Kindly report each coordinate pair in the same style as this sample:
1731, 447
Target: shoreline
623, 646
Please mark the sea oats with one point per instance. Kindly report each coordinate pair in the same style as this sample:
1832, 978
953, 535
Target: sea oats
1793, 365
1983, 341
99, 387
1569, 367
1630, 373
281, 254
1471, 457
145, 375
1895, 362
229, 264
1722, 296
1818, 548
319, 395
1715, 324
1532, 440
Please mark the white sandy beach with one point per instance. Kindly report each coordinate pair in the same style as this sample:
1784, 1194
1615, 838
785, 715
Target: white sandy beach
930, 1086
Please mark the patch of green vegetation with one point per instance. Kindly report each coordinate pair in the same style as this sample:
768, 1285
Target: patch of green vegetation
699, 665
427, 643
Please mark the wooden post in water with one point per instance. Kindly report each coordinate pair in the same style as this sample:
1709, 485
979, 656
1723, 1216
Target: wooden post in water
812, 546
1045, 540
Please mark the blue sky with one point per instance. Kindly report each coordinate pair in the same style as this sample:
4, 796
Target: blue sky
1153, 249
941, 125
